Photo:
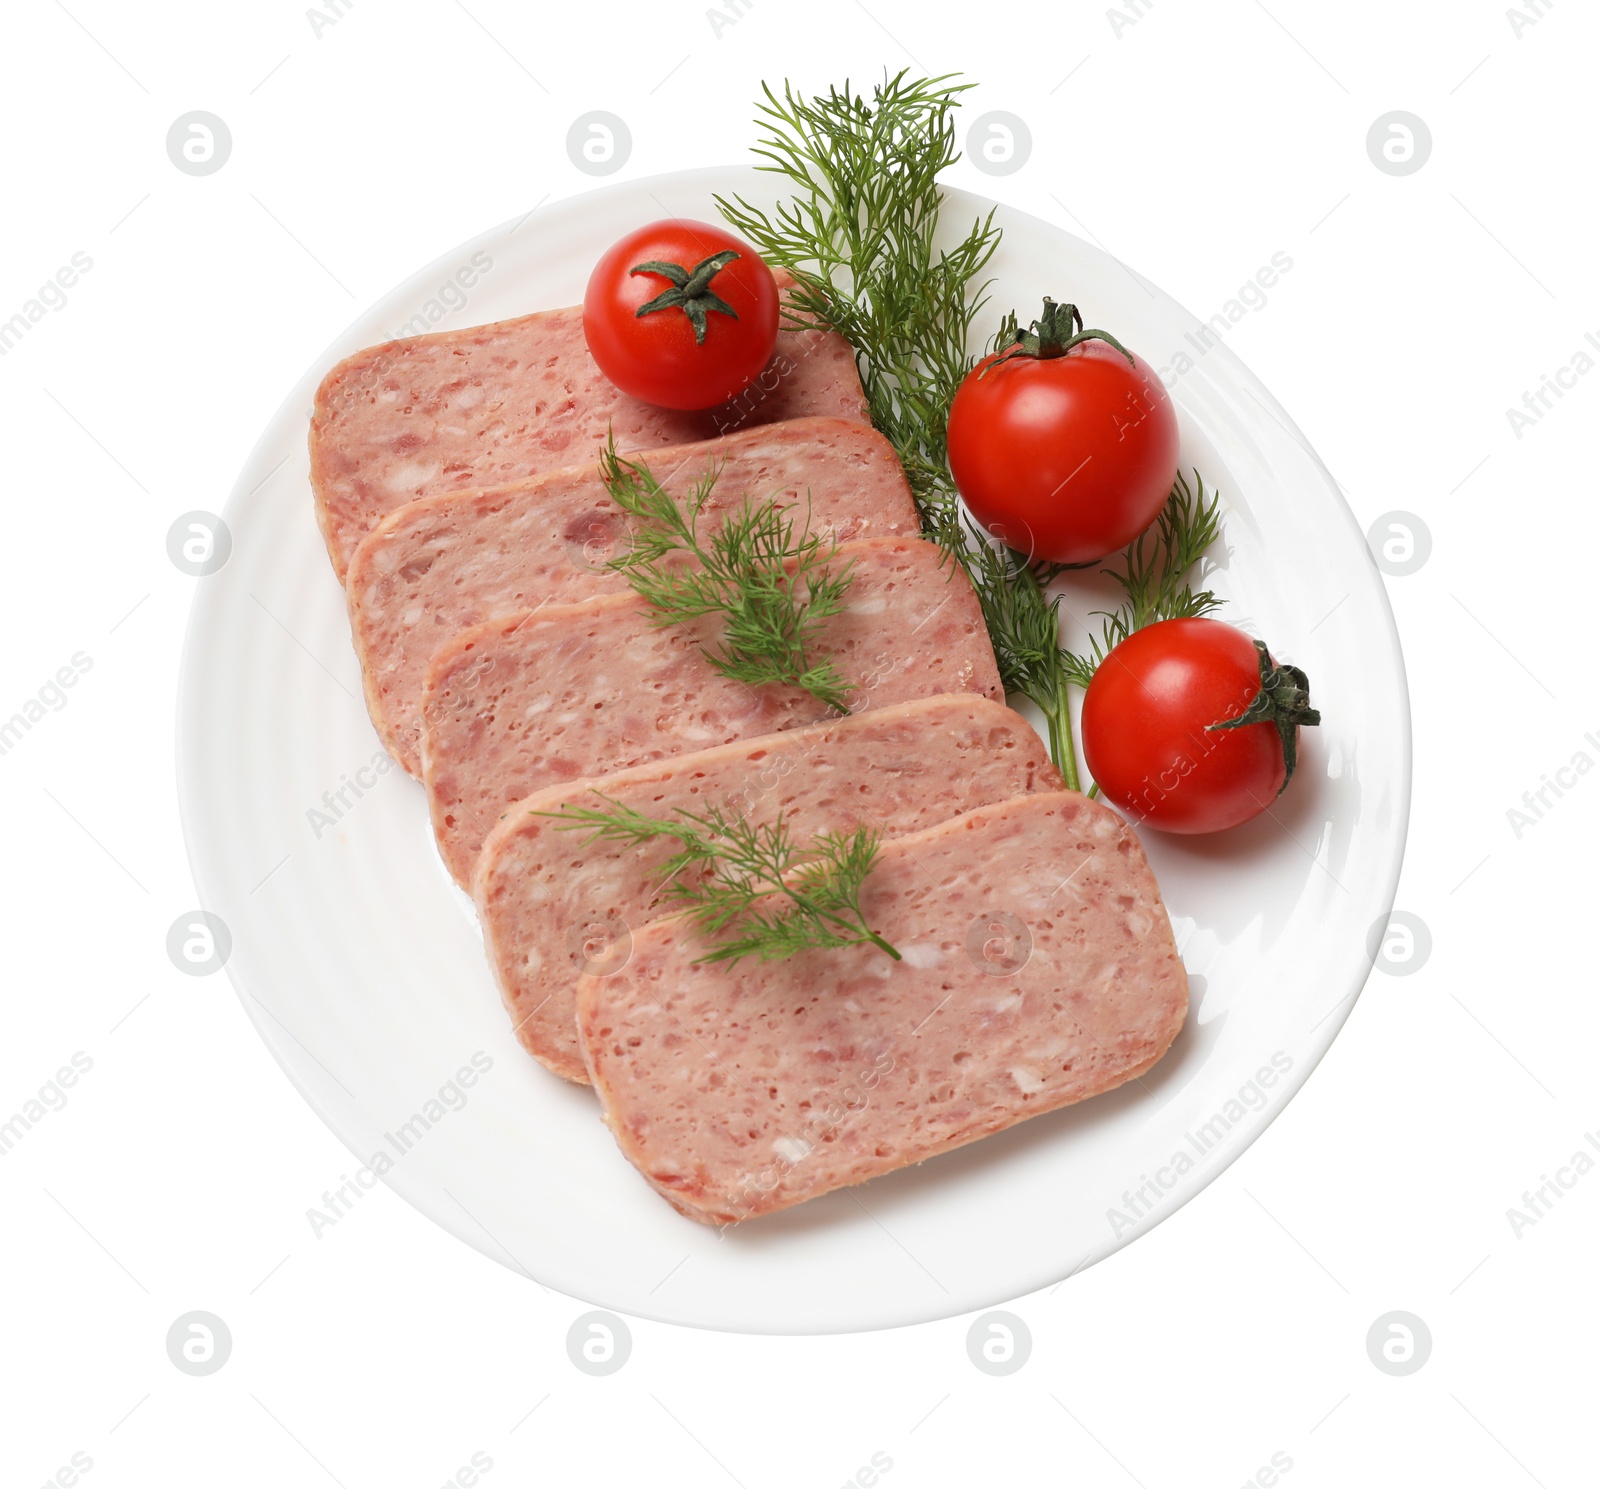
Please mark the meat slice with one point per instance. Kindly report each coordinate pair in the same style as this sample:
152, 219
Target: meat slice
546, 697
459, 410
442, 563
1039, 970
553, 906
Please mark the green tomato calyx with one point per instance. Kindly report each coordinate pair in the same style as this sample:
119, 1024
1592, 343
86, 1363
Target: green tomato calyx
1284, 701
690, 289
1054, 334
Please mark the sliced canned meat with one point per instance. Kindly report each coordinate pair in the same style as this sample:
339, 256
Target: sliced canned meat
546, 697
1038, 970
484, 406
553, 905
442, 563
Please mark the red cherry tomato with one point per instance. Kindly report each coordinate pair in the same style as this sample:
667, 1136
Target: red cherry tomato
1065, 455
709, 332
1150, 717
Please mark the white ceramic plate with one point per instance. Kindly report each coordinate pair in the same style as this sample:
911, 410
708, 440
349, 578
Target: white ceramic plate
352, 954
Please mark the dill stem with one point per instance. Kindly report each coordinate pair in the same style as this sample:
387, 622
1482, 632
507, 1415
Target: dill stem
860, 927
883, 945
1058, 719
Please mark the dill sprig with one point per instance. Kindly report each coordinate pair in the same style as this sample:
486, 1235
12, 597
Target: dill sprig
858, 237
772, 583
1025, 629
1157, 575
728, 872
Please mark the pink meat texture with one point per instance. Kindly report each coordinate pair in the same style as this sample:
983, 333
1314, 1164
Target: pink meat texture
553, 906
544, 698
442, 563
488, 405
1039, 970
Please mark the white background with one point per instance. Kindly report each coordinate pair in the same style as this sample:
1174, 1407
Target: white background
1194, 141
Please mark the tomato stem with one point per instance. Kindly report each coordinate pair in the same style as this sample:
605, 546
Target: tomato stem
1284, 702
689, 290
1058, 329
